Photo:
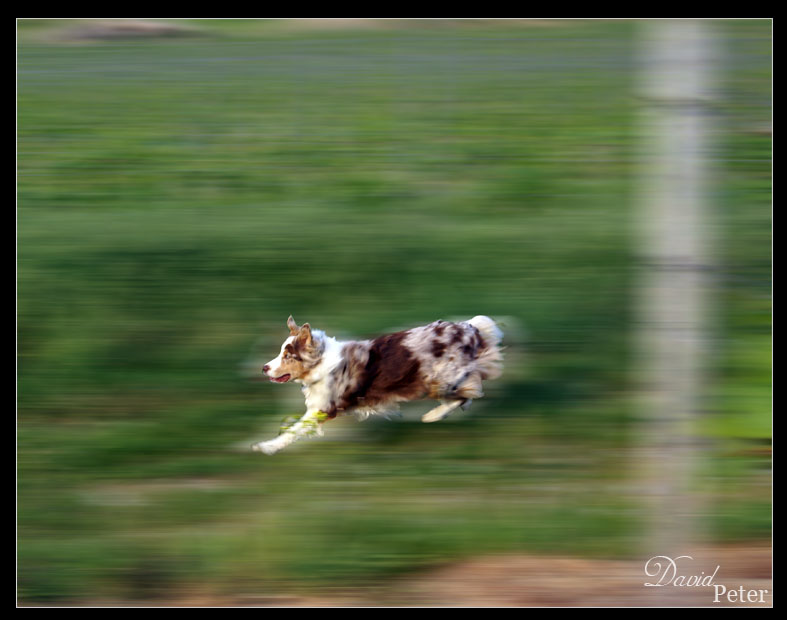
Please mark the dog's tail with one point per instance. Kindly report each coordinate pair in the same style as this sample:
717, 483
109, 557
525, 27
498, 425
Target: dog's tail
490, 357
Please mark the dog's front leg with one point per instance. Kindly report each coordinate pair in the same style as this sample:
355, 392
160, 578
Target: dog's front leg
308, 425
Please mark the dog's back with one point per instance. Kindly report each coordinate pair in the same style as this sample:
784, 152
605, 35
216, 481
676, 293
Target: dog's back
455, 357
442, 360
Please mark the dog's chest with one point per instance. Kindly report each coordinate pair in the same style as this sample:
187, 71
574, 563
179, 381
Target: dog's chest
319, 396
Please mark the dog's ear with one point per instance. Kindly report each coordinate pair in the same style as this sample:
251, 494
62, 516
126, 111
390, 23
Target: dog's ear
305, 334
292, 325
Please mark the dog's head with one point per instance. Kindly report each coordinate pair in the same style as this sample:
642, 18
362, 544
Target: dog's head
299, 354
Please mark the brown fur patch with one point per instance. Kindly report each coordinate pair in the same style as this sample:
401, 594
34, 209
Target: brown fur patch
391, 373
291, 365
301, 355
478, 340
435, 390
457, 334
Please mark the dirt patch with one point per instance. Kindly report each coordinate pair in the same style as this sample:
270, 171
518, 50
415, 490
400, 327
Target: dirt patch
345, 23
527, 581
539, 581
83, 31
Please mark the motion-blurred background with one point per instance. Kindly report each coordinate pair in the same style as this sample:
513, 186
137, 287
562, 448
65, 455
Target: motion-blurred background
184, 186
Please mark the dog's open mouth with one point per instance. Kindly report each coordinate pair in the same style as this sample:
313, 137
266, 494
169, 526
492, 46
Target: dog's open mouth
282, 379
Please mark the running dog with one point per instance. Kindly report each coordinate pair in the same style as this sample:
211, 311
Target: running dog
443, 361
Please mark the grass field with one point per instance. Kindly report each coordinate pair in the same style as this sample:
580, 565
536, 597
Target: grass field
178, 198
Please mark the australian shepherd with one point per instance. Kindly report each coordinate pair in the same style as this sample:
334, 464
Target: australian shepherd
442, 361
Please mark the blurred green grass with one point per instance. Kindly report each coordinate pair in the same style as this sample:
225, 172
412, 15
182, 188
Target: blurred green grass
178, 199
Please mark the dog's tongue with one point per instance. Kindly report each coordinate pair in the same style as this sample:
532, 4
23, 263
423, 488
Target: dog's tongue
282, 379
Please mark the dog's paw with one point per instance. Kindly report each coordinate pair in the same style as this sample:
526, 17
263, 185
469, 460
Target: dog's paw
440, 412
266, 447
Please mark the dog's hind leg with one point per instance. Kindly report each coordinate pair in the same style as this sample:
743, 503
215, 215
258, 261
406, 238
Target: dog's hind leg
461, 396
469, 388
441, 411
